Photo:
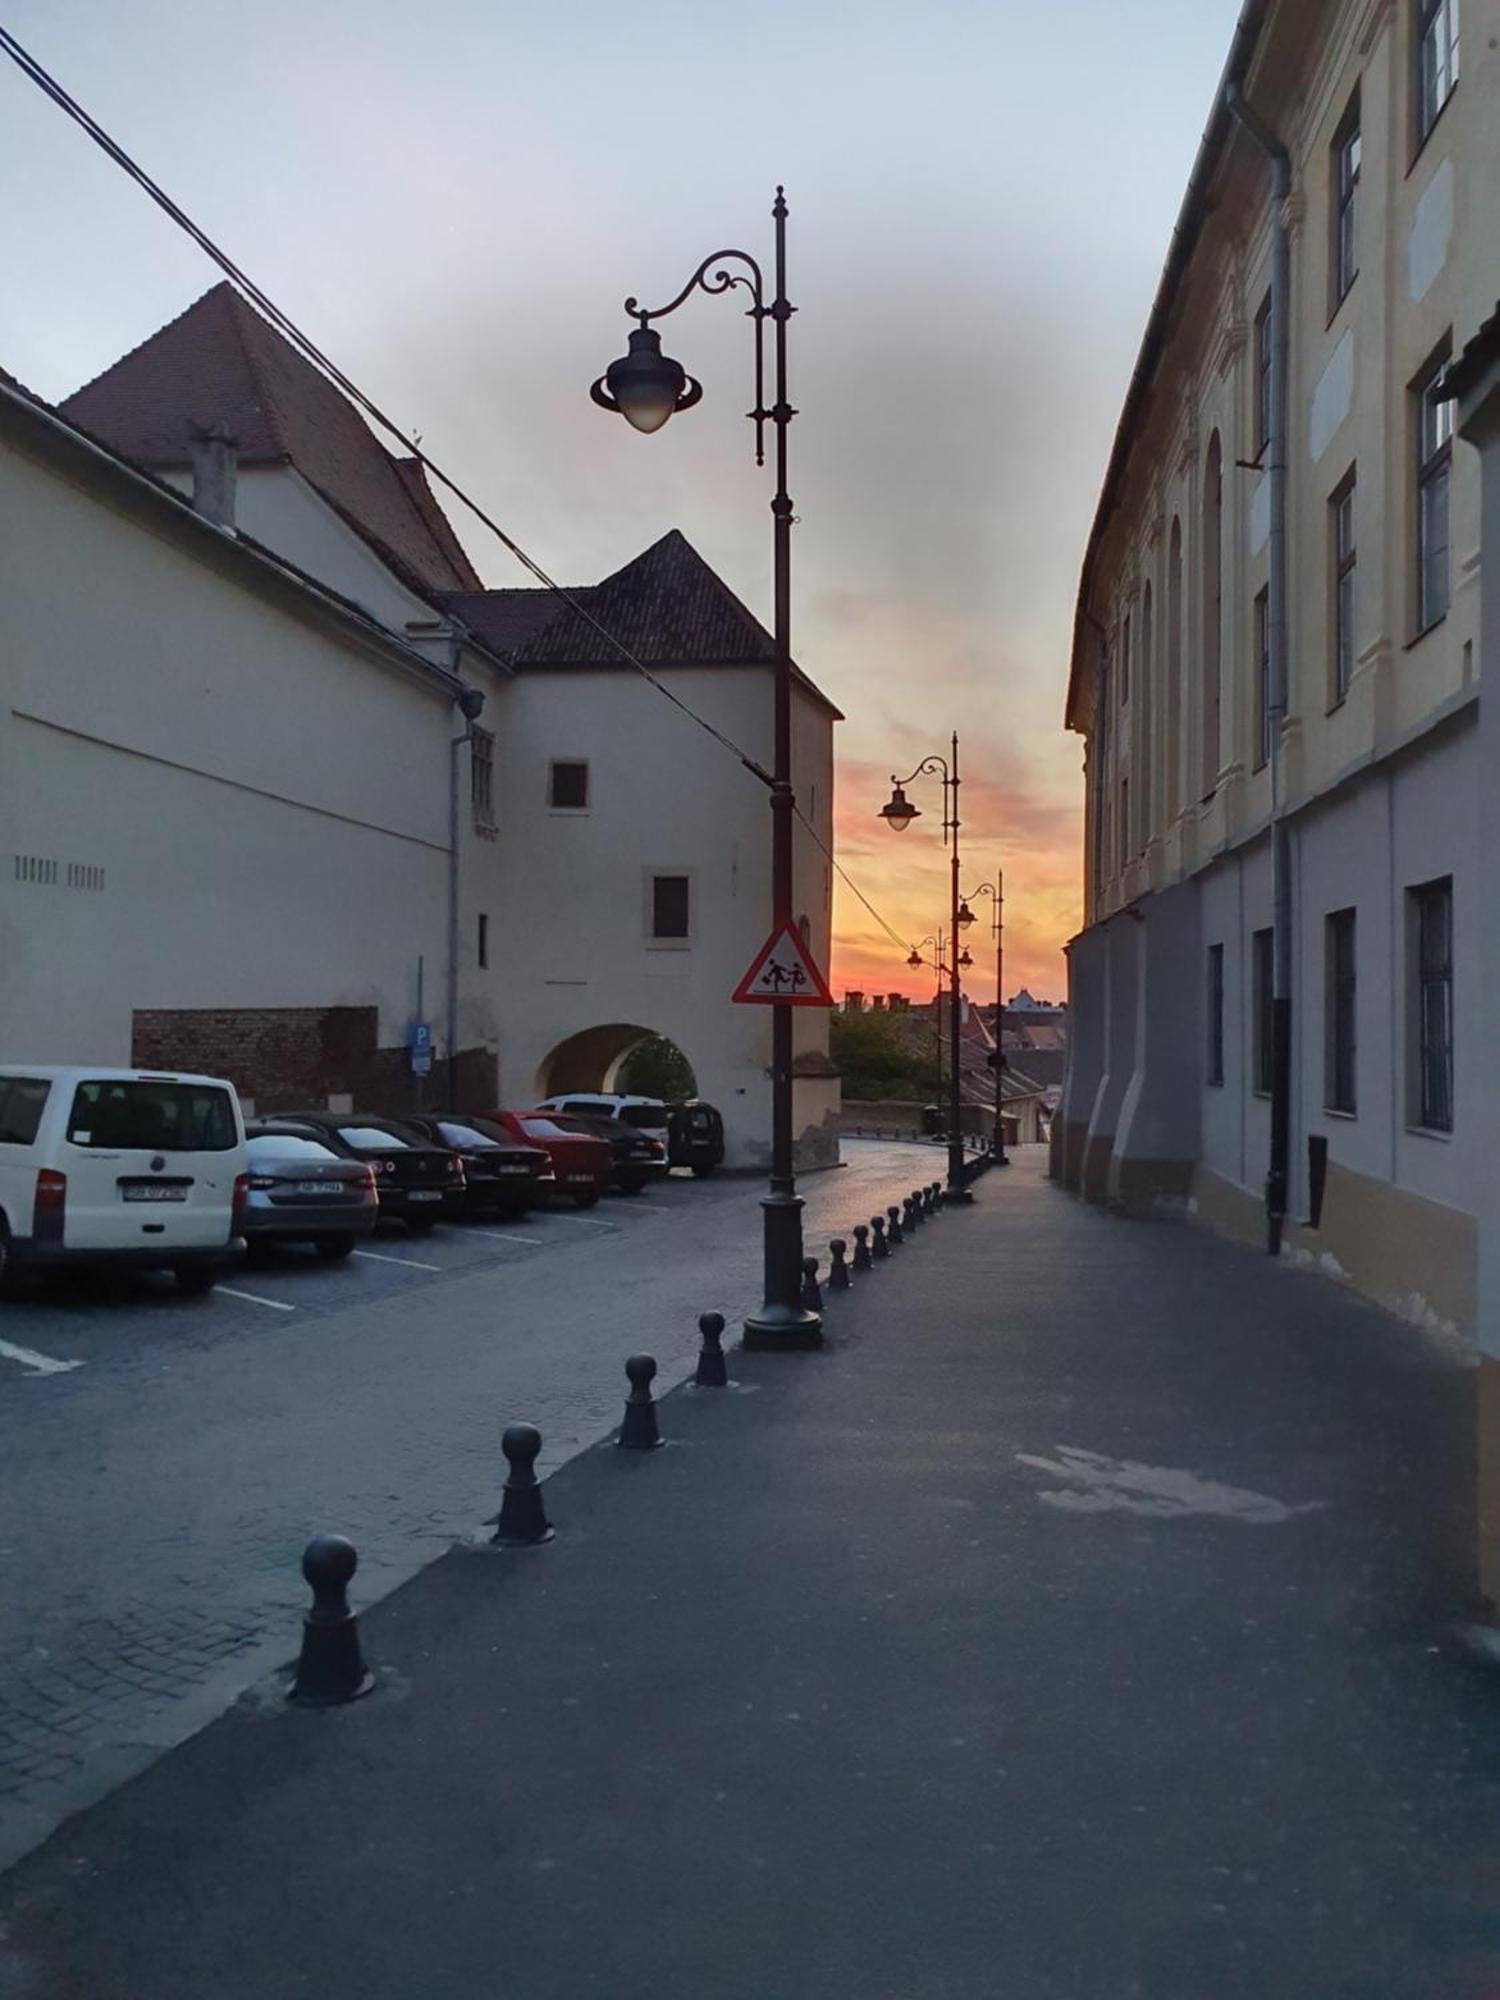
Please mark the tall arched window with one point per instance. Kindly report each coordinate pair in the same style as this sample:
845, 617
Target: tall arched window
1145, 719
1213, 610
1173, 716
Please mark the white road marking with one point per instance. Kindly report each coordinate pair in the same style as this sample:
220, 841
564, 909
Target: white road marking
37, 1364
504, 1236
1124, 1486
583, 1221
277, 1305
383, 1257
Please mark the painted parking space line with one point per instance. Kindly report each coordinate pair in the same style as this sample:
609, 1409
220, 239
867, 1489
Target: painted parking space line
255, 1299
505, 1236
584, 1221
34, 1363
384, 1257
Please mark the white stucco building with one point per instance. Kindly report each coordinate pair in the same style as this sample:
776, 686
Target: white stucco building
1386, 109
243, 654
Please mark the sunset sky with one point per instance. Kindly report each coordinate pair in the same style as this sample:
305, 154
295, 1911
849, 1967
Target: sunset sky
454, 199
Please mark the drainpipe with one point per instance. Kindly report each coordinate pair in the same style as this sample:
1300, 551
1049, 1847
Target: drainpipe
469, 702
1281, 873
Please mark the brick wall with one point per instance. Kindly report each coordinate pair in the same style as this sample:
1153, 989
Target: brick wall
283, 1057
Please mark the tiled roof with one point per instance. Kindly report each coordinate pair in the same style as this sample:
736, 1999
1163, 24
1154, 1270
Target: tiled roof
667, 606
221, 363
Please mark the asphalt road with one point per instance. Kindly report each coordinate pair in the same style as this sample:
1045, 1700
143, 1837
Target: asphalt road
163, 1461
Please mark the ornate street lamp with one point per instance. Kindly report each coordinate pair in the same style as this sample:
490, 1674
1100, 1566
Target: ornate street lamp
996, 892
647, 387
898, 814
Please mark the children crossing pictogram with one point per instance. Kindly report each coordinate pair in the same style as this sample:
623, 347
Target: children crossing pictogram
784, 970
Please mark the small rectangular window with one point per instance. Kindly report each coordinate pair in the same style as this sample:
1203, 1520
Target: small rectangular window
1125, 661
482, 942
1215, 998
1437, 60
568, 786
482, 777
1125, 846
1342, 557
1338, 1011
1347, 148
1434, 430
1263, 376
670, 911
1432, 993
1262, 677
1262, 1054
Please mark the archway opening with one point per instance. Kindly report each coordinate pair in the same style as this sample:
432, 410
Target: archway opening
617, 1055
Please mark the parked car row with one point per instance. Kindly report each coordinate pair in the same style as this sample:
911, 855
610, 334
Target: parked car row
161, 1170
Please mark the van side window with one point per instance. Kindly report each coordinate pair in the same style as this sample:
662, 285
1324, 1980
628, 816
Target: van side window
22, 1102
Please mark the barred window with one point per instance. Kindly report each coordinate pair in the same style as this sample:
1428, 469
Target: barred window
1342, 556
1432, 925
1434, 475
482, 777
1338, 1011
1263, 1059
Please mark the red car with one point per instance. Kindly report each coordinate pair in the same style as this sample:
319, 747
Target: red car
581, 1166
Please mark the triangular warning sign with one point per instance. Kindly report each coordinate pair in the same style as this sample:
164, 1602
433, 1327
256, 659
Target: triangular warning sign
784, 970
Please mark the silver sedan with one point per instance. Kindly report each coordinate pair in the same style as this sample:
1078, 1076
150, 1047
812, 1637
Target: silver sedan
301, 1191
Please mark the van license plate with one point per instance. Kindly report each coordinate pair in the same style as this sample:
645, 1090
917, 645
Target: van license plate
152, 1191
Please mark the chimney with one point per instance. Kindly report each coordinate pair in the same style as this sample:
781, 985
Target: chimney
877, 1001
900, 1004
214, 461
854, 1003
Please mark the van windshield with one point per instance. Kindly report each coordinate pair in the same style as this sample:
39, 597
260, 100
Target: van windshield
653, 1117
153, 1117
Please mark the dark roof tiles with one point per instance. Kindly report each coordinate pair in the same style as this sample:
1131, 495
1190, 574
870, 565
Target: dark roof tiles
220, 363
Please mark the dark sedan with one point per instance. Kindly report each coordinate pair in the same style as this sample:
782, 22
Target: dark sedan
501, 1176
300, 1190
416, 1182
637, 1157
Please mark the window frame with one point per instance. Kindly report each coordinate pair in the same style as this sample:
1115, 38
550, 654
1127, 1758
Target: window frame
1341, 1012
670, 941
1262, 1012
1434, 473
554, 765
1428, 17
1430, 988
1261, 755
1264, 359
1344, 204
1343, 565
482, 778
482, 941
1215, 1012
1127, 854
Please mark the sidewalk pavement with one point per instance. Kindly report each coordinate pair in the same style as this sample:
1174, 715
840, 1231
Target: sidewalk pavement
1072, 1625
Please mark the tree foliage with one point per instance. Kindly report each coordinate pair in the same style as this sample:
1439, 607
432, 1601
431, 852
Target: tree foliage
885, 1056
657, 1068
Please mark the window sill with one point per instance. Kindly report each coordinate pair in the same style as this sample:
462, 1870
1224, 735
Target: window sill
1426, 631
1337, 703
669, 944
1337, 1111
569, 812
1263, 1095
1214, 1083
1425, 139
1340, 303
486, 829
1430, 1132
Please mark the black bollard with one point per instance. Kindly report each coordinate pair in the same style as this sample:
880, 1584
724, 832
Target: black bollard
909, 1215
331, 1668
838, 1270
862, 1258
812, 1292
895, 1234
523, 1520
713, 1371
935, 1198
639, 1432
879, 1248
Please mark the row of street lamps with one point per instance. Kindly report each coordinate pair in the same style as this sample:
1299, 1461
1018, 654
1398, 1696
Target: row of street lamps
647, 387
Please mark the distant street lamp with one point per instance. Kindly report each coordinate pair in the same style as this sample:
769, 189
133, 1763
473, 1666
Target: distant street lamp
996, 892
646, 387
898, 813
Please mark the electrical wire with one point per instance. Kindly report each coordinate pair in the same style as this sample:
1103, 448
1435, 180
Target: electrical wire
30, 67
311, 352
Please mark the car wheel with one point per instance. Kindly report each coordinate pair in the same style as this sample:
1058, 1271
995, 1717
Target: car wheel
333, 1249
9, 1274
631, 1187
585, 1201
702, 1173
421, 1225
193, 1280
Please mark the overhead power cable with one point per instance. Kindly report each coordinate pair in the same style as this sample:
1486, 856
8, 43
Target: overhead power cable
327, 367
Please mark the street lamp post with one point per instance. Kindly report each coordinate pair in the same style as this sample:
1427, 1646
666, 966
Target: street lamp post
940, 966
898, 813
996, 892
646, 387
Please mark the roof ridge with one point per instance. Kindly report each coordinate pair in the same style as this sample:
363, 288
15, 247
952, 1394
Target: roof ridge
267, 402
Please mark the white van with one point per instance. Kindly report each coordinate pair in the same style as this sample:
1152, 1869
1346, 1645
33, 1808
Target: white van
106, 1166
